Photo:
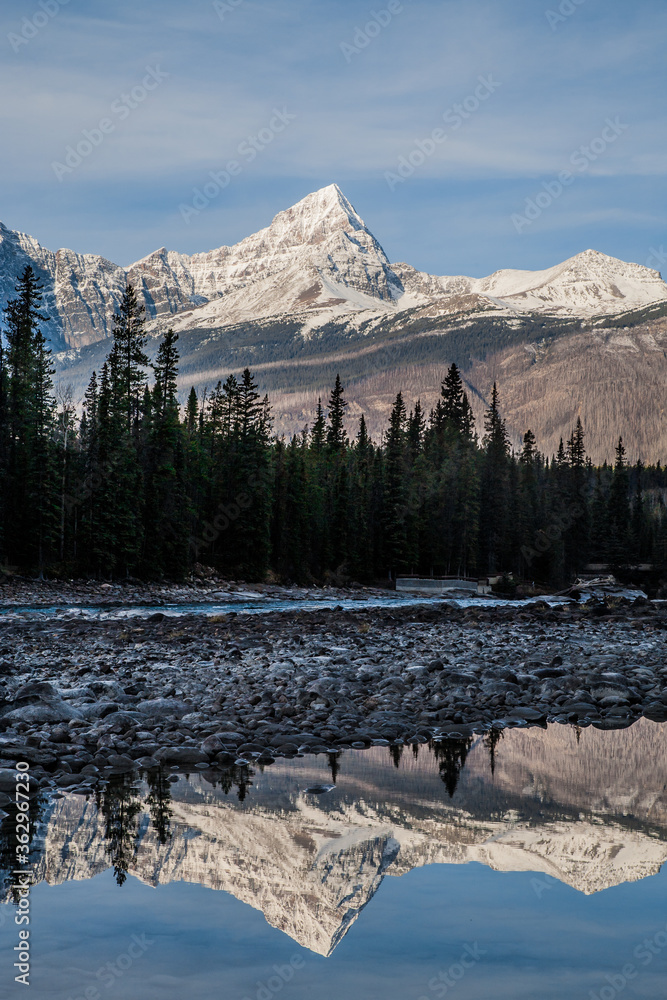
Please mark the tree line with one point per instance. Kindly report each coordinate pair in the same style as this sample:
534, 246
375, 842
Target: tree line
138, 486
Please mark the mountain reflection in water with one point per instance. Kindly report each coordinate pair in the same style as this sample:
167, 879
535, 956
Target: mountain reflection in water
588, 808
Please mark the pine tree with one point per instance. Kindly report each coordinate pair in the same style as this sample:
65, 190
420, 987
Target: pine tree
495, 510
361, 505
416, 428
166, 509
619, 510
315, 487
575, 507
455, 412
336, 491
336, 437
529, 507
640, 533
600, 526
318, 433
396, 487
192, 413
30, 482
128, 359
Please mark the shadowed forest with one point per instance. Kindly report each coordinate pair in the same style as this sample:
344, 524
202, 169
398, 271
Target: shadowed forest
138, 486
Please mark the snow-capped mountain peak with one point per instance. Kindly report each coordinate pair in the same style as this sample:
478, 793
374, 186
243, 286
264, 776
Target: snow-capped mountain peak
315, 263
318, 215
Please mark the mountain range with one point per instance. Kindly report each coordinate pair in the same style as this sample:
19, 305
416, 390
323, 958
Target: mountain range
314, 293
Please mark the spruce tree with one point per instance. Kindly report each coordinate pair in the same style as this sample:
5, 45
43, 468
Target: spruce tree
165, 510
192, 413
128, 360
30, 485
494, 501
336, 437
619, 510
396, 488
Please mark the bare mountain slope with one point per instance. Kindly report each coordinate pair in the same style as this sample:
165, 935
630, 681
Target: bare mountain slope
613, 378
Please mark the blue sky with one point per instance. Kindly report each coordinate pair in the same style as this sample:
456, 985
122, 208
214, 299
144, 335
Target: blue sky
361, 101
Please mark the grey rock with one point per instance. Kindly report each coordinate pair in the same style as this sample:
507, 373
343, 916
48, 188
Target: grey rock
163, 707
147, 762
55, 711
8, 782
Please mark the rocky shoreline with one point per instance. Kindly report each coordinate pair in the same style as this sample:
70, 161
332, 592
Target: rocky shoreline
18, 591
84, 700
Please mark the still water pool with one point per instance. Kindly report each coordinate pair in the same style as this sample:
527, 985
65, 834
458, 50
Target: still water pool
530, 866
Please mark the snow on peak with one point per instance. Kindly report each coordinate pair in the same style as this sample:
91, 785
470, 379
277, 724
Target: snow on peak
316, 261
316, 217
588, 284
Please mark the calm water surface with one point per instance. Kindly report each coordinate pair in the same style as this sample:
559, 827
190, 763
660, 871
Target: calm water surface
531, 867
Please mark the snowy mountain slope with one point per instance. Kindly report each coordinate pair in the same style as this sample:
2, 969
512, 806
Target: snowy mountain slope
317, 262
587, 284
81, 291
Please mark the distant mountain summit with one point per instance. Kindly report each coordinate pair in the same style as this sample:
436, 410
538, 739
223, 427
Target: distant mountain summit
315, 264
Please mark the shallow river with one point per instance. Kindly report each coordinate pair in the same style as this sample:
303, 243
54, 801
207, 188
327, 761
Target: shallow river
248, 606
531, 868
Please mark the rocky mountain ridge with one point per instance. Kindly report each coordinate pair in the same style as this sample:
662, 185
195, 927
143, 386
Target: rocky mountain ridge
316, 263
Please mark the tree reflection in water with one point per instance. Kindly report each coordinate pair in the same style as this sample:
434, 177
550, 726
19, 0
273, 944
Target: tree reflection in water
491, 741
120, 804
450, 755
334, 765
239, 776
158, 801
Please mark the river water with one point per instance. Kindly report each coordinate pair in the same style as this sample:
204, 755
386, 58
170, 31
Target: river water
256, 605
531, 867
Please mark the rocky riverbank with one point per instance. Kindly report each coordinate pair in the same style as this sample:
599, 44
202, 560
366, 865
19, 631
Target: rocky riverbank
84, 700
19, 591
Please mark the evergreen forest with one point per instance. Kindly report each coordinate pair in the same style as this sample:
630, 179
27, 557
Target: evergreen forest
134, 485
